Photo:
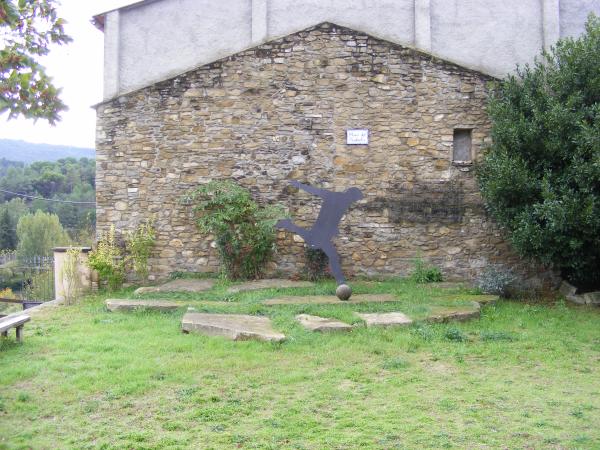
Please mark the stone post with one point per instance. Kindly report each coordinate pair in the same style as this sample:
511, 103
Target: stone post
85, 273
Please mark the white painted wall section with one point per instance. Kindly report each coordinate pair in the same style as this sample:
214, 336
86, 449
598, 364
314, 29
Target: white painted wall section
573, 15
157, 39
490, 36
551, 22
166, 38
387, 19
259, 21
423, 25
112, 64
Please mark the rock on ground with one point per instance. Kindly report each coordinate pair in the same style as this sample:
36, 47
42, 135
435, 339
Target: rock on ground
237, 327
179, 285
132, 305
385, 319
322, 324
453, 313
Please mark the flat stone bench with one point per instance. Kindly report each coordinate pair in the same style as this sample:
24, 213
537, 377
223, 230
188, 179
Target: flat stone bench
17, 322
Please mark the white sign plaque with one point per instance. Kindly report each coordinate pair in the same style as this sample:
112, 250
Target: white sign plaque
357, 137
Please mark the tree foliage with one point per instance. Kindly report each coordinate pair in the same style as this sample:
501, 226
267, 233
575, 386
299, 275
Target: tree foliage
8, 232
541, 177
67, 179
38, 233
27, 29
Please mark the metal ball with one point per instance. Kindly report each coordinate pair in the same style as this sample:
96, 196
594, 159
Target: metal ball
343, 292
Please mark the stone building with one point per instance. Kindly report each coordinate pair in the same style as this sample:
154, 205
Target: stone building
281, 110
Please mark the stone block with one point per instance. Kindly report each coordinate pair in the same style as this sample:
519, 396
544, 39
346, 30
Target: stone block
179, 285
385, 319
453, 313
322, 324
133, 305
236, 327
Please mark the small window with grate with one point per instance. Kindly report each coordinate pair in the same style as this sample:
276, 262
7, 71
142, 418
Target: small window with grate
461, 151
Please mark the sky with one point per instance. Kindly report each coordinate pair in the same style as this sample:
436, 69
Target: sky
77, 68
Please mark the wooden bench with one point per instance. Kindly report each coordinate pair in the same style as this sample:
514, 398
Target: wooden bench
17, 322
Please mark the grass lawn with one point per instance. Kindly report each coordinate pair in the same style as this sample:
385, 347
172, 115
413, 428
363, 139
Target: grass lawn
523, 376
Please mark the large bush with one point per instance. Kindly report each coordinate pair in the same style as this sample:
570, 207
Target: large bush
541, 177
38, 233
243, 230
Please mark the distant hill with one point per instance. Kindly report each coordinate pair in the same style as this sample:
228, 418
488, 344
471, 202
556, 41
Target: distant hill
28, 152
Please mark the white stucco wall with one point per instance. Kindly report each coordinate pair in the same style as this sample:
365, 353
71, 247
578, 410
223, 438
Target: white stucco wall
168, 37
491, 36
573, 14
390, 19
154, 40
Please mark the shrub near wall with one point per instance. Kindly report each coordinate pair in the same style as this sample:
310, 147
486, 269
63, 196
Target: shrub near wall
541, 177
243, 230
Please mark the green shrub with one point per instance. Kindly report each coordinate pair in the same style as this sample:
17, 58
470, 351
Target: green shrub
422, 273
540, 178
243, 230
107, 260
139, 244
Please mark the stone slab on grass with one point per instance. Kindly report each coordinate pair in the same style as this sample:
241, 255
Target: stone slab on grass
179, 285
132, 305
454, 314
322, 324
385, 319
237, 327
483, 299
330, 300
273, 283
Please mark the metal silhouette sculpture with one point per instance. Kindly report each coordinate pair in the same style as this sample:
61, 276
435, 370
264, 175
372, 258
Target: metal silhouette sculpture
320, 236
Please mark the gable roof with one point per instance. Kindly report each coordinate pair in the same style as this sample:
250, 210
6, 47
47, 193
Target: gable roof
332, 25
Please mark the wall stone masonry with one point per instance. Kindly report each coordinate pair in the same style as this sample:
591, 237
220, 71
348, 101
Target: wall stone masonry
280, 111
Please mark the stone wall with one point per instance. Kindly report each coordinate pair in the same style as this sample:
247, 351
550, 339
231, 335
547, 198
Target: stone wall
280, 111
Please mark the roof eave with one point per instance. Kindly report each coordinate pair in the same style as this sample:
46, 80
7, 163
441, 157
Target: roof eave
99, 19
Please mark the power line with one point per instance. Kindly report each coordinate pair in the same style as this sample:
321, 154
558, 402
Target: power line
47, 199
